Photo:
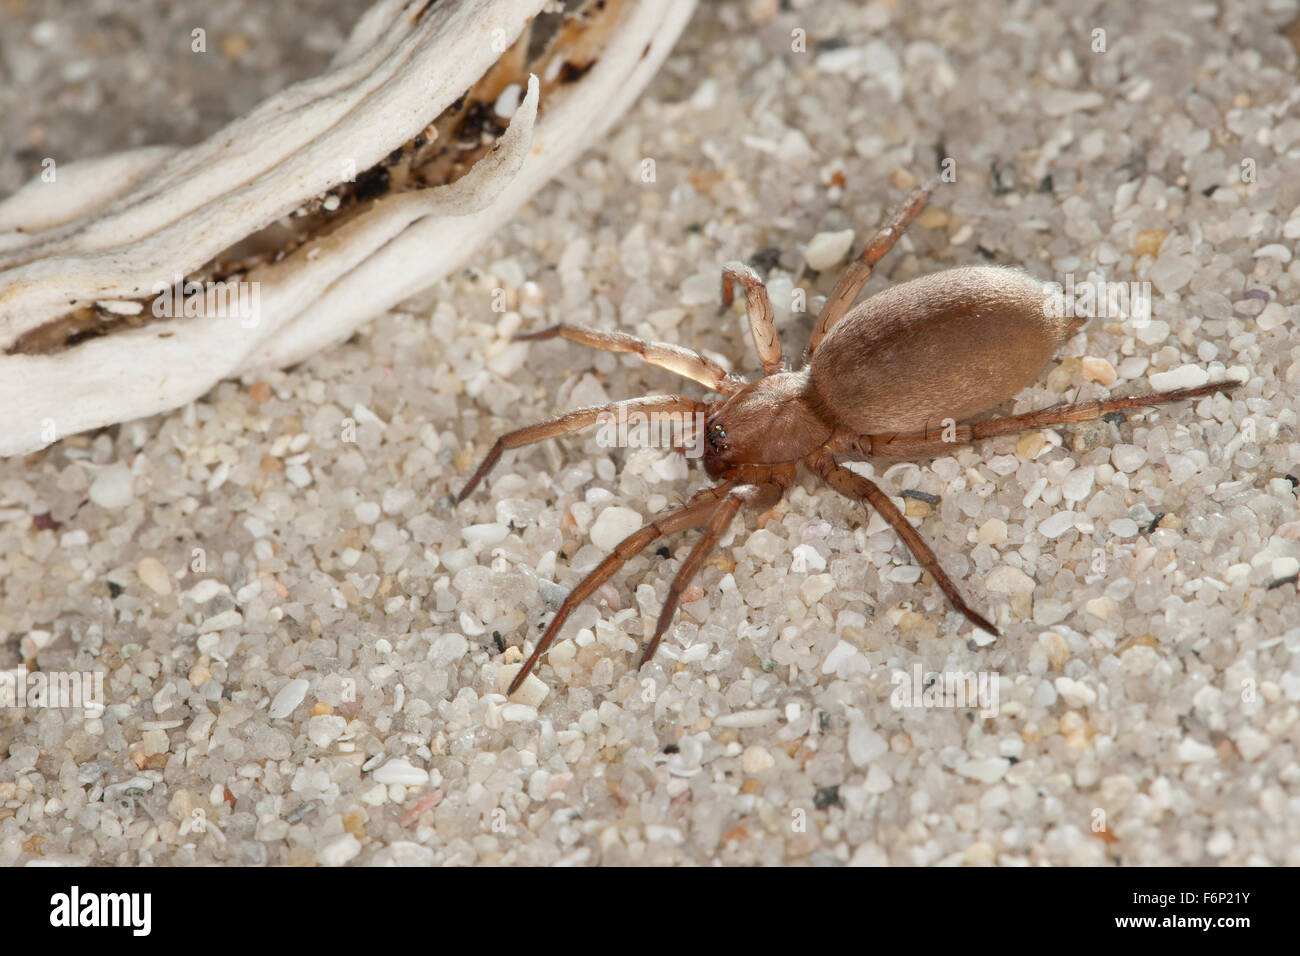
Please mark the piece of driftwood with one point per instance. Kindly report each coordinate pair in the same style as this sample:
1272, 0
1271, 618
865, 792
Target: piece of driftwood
131, 284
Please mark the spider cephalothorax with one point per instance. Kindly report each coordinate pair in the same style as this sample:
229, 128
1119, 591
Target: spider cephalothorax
772, 421
892, 379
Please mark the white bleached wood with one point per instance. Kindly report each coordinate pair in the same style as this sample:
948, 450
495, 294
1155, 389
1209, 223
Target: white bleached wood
177, 209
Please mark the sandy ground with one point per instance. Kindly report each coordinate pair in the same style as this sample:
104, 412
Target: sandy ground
300, 639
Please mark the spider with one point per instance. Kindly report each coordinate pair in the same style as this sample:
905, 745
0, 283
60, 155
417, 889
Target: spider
889, 379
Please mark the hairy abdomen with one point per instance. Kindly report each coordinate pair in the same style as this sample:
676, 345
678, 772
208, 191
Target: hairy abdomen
944, 346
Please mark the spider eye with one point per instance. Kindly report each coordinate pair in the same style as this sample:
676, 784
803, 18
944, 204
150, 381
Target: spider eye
716, 436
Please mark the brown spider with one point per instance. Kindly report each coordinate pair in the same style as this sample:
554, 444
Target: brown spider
890, 379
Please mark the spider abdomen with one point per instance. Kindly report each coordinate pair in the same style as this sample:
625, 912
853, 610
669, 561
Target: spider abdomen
943, 346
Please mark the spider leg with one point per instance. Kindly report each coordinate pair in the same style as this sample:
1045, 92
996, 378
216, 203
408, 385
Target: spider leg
859, 271
931, 442
854, 486
761, 322
685, 362
572, 421
764, 495
694, 513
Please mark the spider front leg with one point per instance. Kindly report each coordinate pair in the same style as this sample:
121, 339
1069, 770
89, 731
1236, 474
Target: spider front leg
859, 271
933, 443
854, 486
685, 362
762, 324
694, 513
579, 418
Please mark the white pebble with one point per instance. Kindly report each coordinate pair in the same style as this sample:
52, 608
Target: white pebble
1285, 567
1152, 332
324, 729
154, 576
508, 101
828, 248
841, 654
901, 574
288, 699
755, 760
1123, 527
613, 525
1134, 367
112, 487
1252, 743
1193, 751
485, 535
1274, 250
699, 289
518, 713
1074, 693
446, 649
765, 545
1102, 607
400, 770
1062, 102
339, 851
219, 622
985, 769
1185, 376
531, 692
1220, 844
865, 745
298, 475
1005, 579
1057, 524
1048, 612
367, 512
806, 558
869, 854
817, 587
206, 590
1128, 458
1274, 315
748, 718
1078, 483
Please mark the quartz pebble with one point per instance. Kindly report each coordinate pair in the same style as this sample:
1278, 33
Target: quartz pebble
1098, 370
153, 575
828, 248
765, 545
865, 745
985, 770
614, 524
1074, 693
289, 697
324, 729
1185, 376
113, 487
339, 851
1008, 580
1128, 458
1057, 524
755, 760
400, 770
